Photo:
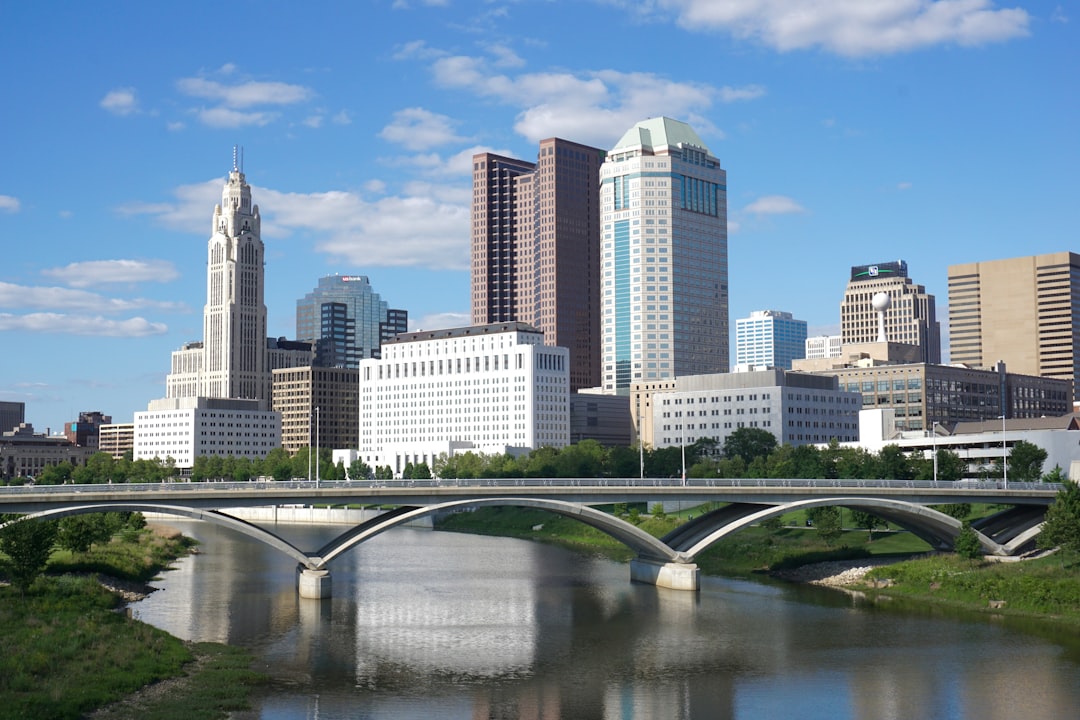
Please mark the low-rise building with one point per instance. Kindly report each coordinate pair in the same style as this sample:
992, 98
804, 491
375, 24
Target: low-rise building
604, 418
319, 406
491, 389
797, 408
25, 454
116, 439
186, 428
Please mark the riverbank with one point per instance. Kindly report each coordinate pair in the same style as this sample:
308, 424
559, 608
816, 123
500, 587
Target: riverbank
70, 649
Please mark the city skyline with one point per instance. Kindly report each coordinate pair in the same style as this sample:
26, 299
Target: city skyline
940, 132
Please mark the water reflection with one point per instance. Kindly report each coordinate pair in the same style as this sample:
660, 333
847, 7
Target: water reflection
427, 624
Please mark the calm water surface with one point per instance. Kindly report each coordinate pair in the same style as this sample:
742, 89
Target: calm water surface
429, 625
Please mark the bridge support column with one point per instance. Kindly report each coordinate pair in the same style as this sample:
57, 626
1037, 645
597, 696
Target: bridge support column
315, 584
677, 576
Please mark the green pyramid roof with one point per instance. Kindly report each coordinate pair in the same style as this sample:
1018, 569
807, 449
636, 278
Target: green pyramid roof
659, 132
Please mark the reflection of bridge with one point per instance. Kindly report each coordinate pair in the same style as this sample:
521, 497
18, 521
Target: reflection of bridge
666, 561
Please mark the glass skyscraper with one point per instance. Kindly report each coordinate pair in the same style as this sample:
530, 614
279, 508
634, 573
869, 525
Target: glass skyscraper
346, 320
664, 266
769, 338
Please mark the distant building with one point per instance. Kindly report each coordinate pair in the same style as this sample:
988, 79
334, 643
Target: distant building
183, 429
664, 257
922, 394
601, 417
535, 245
346, 320
1024, 311
797, 408
910, 318
769, 338
84, 431
25, 454
12, 415
823, 346
319, 407
116, 439
491, 389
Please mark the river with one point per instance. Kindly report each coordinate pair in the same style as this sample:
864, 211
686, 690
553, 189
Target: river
434, 625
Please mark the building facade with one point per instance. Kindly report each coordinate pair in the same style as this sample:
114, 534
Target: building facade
319, 406
86, 429
911, 317
116, 439
1024, 311
535, 246
823, 346
922, 394
182, 429
346, 320
769, 338
12, 415
664, 292
601, 417
491, 389
797, 408
25, 454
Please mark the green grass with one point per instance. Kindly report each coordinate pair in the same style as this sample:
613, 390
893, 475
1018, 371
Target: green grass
67, 650
1047, 587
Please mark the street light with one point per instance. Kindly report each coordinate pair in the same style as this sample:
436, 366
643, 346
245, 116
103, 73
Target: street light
1004, 455
316, 446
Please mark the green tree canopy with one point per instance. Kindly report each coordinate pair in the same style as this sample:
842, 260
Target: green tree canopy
1026, 461
749, 443
1062, 524
28, 545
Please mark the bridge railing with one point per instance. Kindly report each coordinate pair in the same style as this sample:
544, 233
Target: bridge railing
688, 483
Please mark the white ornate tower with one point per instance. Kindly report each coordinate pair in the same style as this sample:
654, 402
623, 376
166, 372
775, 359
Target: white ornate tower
234, 319
231, 361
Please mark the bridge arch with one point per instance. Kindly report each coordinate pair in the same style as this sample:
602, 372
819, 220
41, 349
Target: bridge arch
936, 528
641, 542
211, 516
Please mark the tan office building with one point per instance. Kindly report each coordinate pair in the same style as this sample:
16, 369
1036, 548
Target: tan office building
910, 318
1023, 311
319, 406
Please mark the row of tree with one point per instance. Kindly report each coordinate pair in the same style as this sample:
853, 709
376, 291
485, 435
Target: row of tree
746, 453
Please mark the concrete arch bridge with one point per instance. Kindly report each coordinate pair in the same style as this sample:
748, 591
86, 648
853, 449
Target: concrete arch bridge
667, 562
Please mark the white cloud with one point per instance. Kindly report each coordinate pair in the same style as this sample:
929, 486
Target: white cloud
175, 126
855, 27
9, 204
121, 101
313, 121
505, 56
341, 118
774, 205
81, 325
441, 321
111, 272
245, 95
23, 297
592, 107
903, 186
420, 129
189, 213
227, 118
1059, 16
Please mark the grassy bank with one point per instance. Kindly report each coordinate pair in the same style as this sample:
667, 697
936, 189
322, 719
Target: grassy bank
1044, 587
69, 648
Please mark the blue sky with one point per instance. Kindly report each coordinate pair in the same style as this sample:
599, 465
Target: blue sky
934, 131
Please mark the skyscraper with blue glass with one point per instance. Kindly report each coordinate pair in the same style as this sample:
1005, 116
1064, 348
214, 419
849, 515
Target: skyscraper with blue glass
769, 338
664, 267
346, 320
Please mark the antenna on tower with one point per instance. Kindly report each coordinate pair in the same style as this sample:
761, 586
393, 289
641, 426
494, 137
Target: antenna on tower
234, 166
241, 159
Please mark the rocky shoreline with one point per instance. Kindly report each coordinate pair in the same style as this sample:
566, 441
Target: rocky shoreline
834, 573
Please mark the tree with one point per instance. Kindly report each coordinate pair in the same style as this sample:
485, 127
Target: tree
867, 521
967, 544
79, 533
1062, 524
749, 443
893, 464
277, 464
1026, 461
359, 470
827, 522
28, 544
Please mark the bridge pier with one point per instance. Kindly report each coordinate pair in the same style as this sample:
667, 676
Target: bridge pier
314, 584
676, 576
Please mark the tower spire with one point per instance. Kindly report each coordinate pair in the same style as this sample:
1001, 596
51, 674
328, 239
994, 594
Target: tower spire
235, 167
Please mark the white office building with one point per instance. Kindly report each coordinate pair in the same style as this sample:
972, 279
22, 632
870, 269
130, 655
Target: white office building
664, 264
821, 347
797, 408
182, 429
769, 338
489, 389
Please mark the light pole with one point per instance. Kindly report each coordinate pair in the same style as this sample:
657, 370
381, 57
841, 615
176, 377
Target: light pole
682, 448
1004, 455
316, 446
933, 438
309, 447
